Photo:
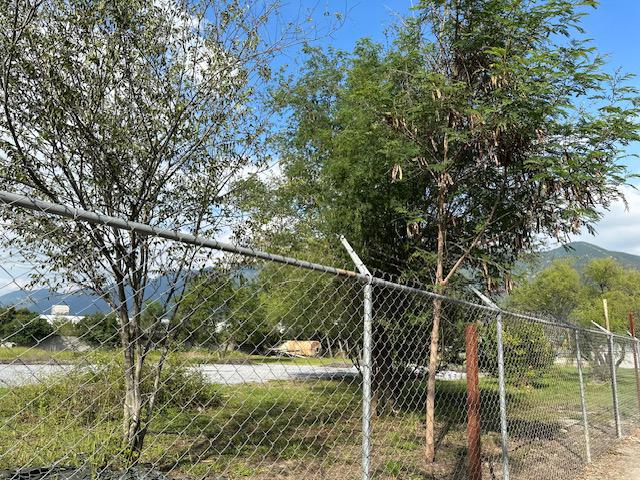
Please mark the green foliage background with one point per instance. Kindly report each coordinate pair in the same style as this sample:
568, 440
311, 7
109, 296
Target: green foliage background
23, 327
564, 293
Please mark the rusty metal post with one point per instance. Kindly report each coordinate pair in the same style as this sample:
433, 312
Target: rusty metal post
474, 467
502, 386
634, 347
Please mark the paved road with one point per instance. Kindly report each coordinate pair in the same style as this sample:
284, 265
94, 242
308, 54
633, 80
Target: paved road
234, 374
15, 375
19, 374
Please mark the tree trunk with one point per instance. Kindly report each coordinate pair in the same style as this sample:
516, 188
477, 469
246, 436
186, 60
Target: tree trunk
623, 354
132, 405
431, 381
435, 335
132, 420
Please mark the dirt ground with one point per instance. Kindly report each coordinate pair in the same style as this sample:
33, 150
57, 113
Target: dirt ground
622, 463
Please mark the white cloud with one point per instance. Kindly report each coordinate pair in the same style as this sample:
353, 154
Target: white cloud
619, 229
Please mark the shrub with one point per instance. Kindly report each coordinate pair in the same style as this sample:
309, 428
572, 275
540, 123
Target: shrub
95, 393
65, 328
528, 354
78, 415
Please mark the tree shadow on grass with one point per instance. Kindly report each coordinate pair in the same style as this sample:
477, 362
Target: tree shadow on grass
291, 420
451, 411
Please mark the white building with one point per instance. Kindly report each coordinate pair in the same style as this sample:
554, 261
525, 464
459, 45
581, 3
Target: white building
60, 314
60, 310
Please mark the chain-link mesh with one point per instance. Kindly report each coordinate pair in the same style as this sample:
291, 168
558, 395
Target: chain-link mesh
402, 329
237, 396
232, 367
153, 354
546, 433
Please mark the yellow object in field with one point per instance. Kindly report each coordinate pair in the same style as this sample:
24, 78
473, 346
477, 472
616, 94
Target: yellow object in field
301, 348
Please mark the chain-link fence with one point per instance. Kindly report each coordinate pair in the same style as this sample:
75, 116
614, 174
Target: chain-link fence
131, 350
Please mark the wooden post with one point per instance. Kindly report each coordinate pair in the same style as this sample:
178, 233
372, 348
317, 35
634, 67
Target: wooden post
474, 467
634, 347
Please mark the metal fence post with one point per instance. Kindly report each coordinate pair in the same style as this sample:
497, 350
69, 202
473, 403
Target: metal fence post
503, 399
366, 382
614, 388
474, 464
583, 400
636, 350
634, 344
366, 360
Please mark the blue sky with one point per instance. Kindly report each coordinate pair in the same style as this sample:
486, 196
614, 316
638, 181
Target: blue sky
613, 26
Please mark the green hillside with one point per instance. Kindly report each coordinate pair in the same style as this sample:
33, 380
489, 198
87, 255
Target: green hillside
583, 252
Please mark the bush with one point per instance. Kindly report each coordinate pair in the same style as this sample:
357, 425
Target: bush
95, 393
99, 330
528, 354
78, 415
23, 327
64, 328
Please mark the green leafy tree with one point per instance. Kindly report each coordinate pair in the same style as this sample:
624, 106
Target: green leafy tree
204, 309
483, 125
254, 307
607, 279
561, 292
556, 291
603, 274
313, 306
23, 327
222, 308
619, 304
142, 110
247, 323
591, 310
528, 353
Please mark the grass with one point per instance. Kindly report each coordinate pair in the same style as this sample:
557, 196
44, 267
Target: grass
242, 423
202, 356
308, 429
36, 355
33, 355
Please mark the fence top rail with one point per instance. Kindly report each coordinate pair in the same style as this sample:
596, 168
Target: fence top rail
65, 211
73, 213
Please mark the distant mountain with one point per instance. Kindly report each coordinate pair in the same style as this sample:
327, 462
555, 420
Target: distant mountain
40, 301
83, 302
80, 302
583, 253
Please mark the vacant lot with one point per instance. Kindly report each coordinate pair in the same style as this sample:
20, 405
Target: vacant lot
308, 428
